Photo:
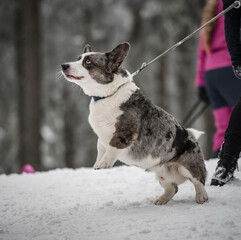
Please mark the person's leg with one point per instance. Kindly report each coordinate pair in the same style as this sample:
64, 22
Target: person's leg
232, 139
227, 91
221, 110
229, 88
230, 150
221, 117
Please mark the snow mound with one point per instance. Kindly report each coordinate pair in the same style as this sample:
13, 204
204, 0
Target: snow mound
114, 204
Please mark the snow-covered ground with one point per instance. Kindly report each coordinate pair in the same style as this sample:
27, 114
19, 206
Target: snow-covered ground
114, 204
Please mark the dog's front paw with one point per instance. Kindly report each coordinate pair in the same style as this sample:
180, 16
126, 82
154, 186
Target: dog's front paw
160, 201
102, 164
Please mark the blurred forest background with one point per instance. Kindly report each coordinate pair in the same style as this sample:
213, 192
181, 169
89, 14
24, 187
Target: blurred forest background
43, 119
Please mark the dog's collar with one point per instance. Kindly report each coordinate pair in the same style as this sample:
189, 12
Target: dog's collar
97, 98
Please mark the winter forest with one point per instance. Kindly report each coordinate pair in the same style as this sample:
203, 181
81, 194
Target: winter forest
44, 118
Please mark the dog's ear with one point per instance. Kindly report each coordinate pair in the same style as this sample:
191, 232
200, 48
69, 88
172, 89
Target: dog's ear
87, 48
117, 56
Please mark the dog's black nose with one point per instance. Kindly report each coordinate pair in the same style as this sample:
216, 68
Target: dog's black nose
65, 66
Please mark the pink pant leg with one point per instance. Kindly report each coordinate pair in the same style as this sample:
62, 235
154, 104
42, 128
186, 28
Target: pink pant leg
221, 118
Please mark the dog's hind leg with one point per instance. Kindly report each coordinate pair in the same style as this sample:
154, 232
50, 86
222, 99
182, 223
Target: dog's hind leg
201, 194
170, 190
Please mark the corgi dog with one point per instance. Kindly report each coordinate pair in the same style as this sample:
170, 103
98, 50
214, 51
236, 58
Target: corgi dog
133, 130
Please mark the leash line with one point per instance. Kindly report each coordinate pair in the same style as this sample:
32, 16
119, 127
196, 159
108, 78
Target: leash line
191, 112
195, 116
235, 5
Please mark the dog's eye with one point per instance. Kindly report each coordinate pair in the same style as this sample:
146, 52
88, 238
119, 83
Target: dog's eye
88, 62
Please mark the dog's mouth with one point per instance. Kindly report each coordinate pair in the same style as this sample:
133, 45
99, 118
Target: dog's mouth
73, 77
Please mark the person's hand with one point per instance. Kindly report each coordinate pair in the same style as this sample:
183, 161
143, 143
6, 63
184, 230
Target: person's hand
237, 71
202, 95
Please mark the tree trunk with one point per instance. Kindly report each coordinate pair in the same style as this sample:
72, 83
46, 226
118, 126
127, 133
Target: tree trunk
69, 115
28, 63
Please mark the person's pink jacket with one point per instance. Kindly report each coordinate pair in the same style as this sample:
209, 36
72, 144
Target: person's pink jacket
219, 56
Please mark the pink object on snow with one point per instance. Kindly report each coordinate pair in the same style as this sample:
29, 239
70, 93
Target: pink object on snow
27, 169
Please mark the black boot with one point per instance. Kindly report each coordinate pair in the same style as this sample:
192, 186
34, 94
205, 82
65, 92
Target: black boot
224, 170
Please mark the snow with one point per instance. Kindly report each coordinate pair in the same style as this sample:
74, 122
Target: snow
114, 204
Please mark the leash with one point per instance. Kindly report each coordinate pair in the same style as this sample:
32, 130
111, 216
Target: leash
191, 111
191, 116
144, 65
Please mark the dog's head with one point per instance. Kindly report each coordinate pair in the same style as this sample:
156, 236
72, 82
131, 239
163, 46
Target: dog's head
99, 74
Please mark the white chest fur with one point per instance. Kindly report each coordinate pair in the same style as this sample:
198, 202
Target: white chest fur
104, 113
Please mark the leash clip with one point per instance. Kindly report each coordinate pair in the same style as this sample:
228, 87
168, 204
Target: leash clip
237, 4
143, 65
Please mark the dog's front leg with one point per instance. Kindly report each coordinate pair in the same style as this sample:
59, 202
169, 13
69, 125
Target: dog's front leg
108, 159
100, 151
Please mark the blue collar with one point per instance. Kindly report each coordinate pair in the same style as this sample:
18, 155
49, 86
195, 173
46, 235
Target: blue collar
96, 98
